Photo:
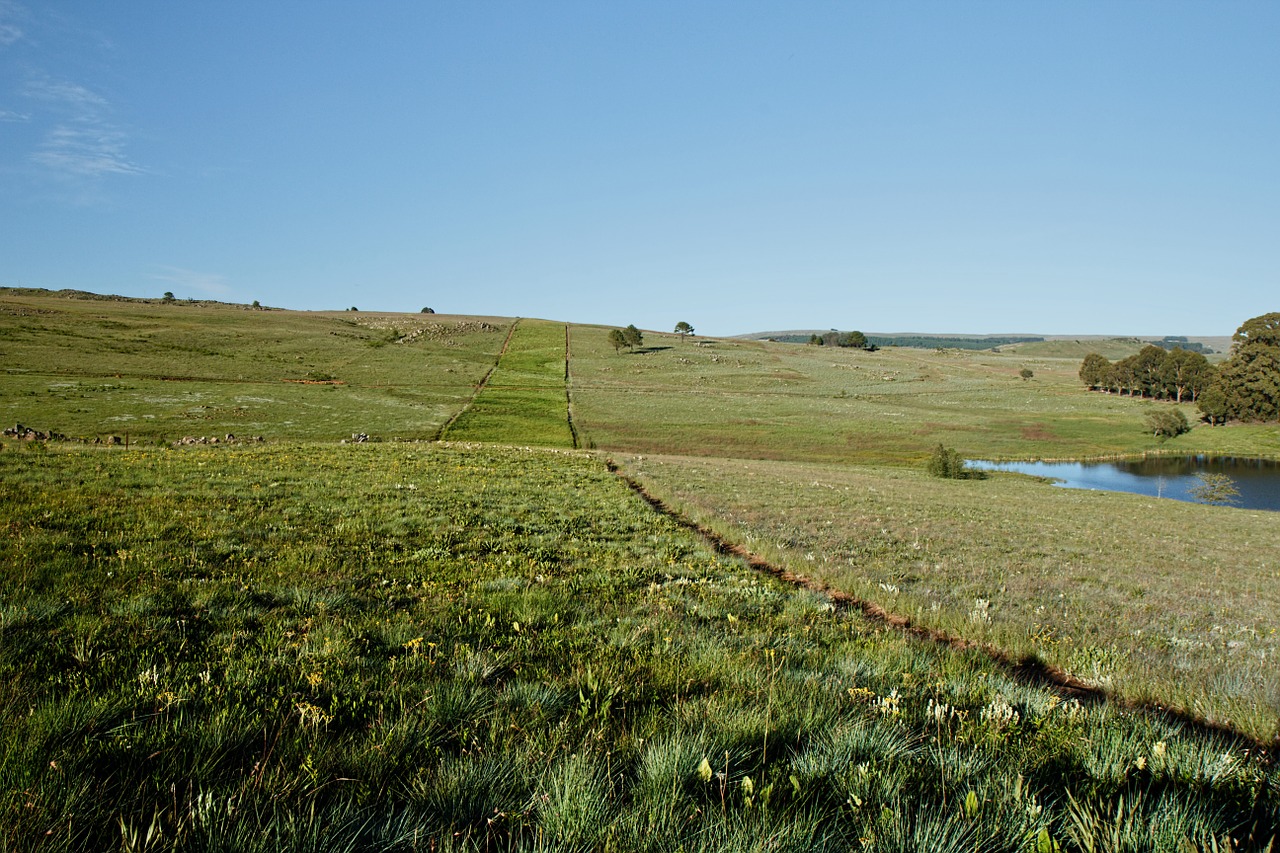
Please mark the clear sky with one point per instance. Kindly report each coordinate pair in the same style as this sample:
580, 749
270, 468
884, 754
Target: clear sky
1040, 167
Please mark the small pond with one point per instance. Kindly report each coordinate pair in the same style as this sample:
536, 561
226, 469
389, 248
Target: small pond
1257, 480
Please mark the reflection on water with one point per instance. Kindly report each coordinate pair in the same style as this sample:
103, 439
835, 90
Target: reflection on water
1257, 480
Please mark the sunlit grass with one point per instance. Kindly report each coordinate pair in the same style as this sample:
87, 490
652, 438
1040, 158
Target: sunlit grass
524, 400
1163, 601
382, 646
454, 646
751, 399
162, 372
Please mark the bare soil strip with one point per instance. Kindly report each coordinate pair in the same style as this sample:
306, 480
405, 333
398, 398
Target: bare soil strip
1027, 670
568, 400
480, 386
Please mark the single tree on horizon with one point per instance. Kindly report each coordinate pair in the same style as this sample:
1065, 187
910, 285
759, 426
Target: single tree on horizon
683, 329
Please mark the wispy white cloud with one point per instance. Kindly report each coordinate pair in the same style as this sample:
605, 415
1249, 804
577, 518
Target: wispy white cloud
11, 16
71, 96
210, 283
87, 151
85, 142
9, 115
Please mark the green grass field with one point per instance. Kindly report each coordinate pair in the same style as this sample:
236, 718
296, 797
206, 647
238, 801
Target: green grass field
161, 371
760, 400
417, 646
1160, 601
491, 642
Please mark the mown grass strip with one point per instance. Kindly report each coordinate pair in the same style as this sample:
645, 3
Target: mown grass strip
480, 386
525, 398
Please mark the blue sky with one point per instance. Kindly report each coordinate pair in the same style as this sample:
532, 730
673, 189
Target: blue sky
981, 167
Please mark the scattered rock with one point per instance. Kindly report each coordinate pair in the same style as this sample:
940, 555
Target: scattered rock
26, 433
188, 440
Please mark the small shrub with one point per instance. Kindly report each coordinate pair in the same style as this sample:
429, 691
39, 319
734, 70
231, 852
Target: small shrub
1167, 423
947, 463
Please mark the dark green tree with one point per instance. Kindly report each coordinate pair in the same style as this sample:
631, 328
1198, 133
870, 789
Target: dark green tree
1094, 370
1026, 373
1213, 404
1250, 379
683, 329
1184, 374
1148, 368
816, 340
618, 339
633, 337
856, 340
1124, 375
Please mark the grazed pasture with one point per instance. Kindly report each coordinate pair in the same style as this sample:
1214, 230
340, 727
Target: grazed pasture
760, 400
484, 645
158, 372
1158, 601
417, 646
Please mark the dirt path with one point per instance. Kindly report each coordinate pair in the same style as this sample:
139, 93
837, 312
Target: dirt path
1026, 670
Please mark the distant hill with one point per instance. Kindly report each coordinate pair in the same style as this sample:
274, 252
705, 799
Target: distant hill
86, 295
1112, 346
904, 339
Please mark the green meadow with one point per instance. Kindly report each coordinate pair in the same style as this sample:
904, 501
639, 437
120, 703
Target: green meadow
466, 634
1161, 602
93, 368
760, 400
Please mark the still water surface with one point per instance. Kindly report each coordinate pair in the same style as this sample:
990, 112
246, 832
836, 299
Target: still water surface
1257, 480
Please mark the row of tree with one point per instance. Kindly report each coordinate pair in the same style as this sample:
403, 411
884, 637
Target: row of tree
1246, 387
1175, 374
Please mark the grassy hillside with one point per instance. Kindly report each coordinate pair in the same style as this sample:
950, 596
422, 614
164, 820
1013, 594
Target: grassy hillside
493, 643
765, 400
164, 371
523, 400
1113, 349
